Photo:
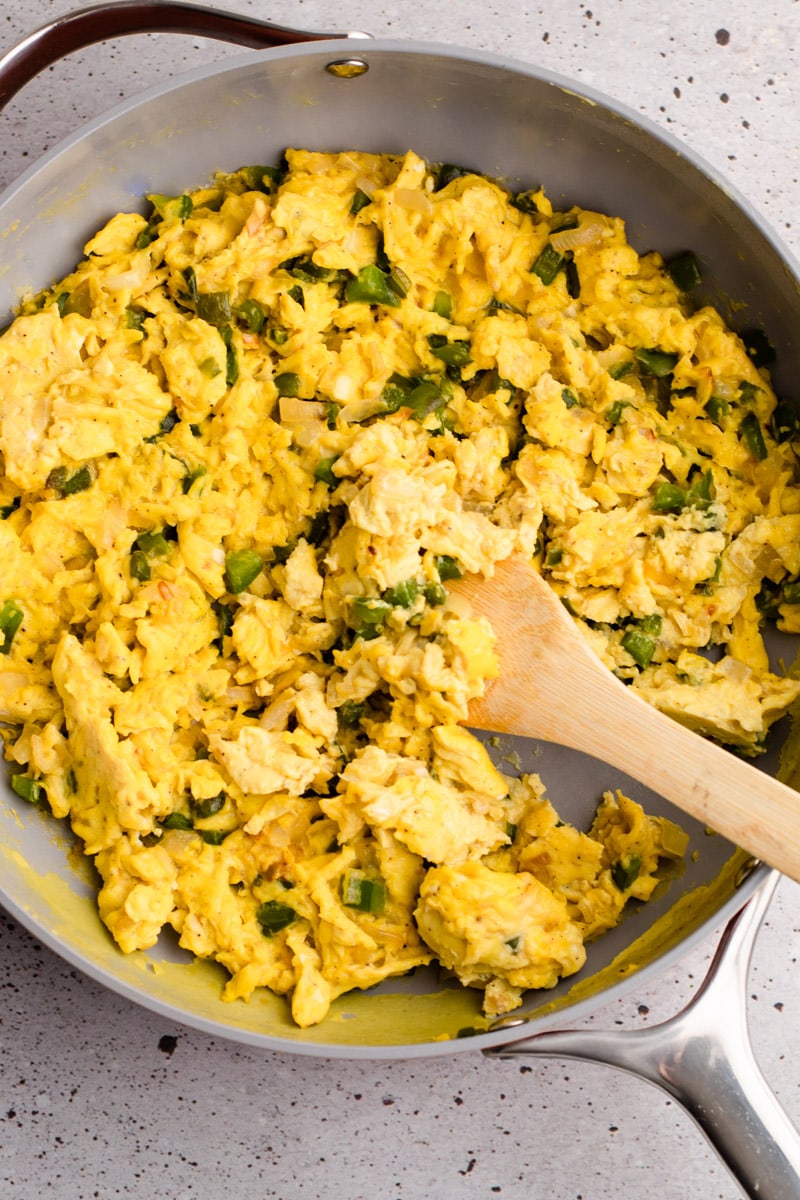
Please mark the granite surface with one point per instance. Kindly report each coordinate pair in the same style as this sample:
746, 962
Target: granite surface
102, 1098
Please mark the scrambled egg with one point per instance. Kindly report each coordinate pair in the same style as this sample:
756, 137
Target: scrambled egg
243, 449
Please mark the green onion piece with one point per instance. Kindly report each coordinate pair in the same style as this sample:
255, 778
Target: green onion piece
324, 471
371, 286
152, 543
287, 383
569, 398
360, 200
751, 433
139, 566
177, 820
640, 646
252, 315
448, 567
625, 871
717, 408
685, 271
209, 806
669, 498
434, 594
273, 916
214, 307
403, 595
548, 264
297, 294
28, 788
759, 349
241, 568
10, 620
785, 423
362, 892
443, 305
656, 362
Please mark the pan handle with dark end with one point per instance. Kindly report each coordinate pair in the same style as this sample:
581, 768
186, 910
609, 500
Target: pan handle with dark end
703, 1059
98, 22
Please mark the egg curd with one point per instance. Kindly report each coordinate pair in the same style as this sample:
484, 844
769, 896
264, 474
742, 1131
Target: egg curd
245, 446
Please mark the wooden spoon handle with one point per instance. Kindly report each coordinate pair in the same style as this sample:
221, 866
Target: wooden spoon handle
553, 687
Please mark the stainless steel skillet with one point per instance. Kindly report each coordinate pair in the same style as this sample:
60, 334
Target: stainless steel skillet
529, 127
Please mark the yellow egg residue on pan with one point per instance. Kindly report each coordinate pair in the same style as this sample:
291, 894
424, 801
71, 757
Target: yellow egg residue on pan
246, 446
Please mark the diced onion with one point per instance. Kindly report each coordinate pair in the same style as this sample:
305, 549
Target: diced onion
293, 410
413, 200
572, 239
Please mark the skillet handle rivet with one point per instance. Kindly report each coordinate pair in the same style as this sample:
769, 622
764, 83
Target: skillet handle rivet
347, 68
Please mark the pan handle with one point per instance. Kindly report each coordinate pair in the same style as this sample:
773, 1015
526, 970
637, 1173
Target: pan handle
703, 1059
98, 22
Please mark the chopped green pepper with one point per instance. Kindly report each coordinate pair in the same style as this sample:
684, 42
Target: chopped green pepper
367, 615
214, 307
640, 646
273, 916
350, 713
717, 408
448, 567
177, 820
171, 207
685, 271
569, 398
443, 305
153, 542
139, 566
659, 363
669, 498
371, 286
28, 788
453, 354
68, 485
241, 568
548, 264
362, 892
360, 200
287, 383
447, 172
625, 871
403, 595
751, 433
209, 806
10, 620
324, 471
252, 315
434, 594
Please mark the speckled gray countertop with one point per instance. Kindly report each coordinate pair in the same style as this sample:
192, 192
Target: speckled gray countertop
100, 1098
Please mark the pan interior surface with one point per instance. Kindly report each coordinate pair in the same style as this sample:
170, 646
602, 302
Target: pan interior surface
509, 122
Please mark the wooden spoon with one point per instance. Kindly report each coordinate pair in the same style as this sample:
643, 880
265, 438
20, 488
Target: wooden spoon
552, 686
